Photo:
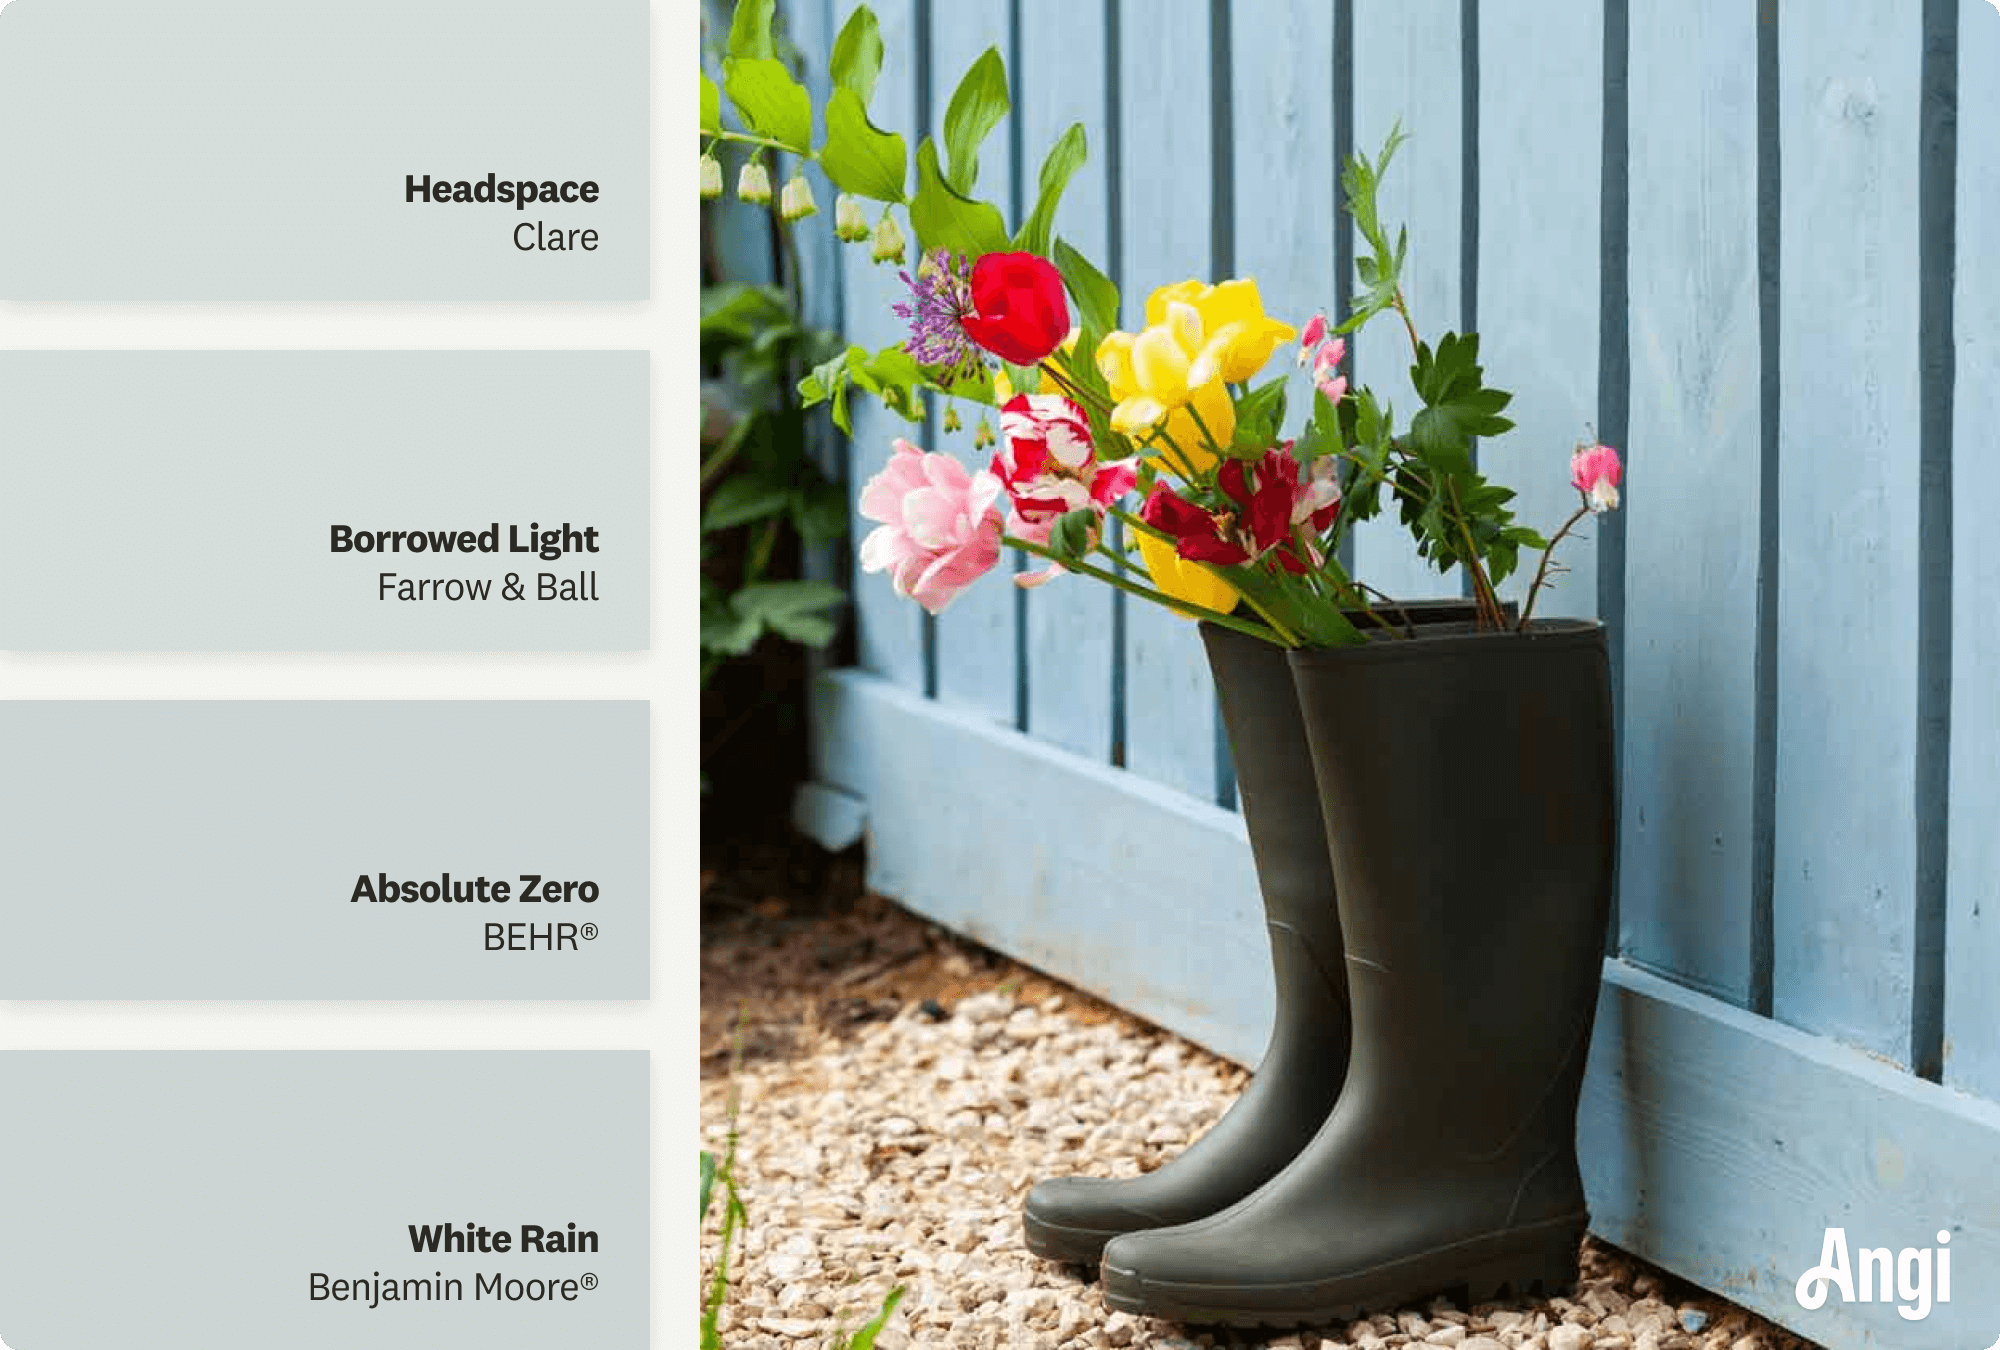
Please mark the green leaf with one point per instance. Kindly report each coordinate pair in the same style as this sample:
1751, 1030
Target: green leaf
741, 310
711, 106
859, 156
1095, 295
793, 609
1065, 157
946, 218
857, 55
707, 1180
742, 499
1074, 534
819, 513
725, 631
773, 104
976, 107
750, 29
864, 1339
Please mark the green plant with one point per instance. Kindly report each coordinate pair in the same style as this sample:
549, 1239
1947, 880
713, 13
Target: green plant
759, 483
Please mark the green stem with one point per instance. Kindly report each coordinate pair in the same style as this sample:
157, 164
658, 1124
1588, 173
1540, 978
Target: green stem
1187, 607
1541, 572
1133, 522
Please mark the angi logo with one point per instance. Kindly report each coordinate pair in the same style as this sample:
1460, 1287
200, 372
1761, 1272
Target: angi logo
1884, 1275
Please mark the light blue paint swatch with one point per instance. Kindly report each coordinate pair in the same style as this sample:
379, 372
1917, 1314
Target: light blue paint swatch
193, 500
243, 150
217, 850
185, 1201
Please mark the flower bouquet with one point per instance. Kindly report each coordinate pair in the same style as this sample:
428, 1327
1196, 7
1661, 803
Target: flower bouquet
1426, 786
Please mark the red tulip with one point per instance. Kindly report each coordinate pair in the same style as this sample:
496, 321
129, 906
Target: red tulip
1019, 312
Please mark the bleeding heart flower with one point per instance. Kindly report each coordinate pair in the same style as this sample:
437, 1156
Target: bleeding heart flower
1594, 471
1326, 374
939, 526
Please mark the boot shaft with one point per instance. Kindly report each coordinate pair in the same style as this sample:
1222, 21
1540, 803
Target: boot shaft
1467, 782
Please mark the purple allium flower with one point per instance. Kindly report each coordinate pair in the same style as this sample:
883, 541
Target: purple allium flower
940, 297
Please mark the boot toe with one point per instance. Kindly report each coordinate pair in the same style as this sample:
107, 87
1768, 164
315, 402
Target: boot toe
1071, 1218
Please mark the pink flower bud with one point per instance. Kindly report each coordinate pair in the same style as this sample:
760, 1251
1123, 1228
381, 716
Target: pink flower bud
1594, 471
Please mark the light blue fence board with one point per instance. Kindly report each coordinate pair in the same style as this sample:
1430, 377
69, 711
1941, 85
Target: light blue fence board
1541, 119
1409, 68
1283, 218
976, 662
1972, 991
888, 629
1167, 227
1070, 641
1686, 902
1845, 862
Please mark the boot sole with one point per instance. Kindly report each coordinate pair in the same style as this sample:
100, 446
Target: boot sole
1059, 1242
1540, 1259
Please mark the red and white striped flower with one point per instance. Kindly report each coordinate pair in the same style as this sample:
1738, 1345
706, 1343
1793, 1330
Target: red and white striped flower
1048, 462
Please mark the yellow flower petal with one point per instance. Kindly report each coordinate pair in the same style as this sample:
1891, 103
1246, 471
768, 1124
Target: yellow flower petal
1114, 363
1003, 388
1252, 348
1235, 301
1160, 365
1215, 355
1184, 580
1137, 415
1181, 292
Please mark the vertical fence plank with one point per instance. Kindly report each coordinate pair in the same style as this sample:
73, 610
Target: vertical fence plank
888, 629
810, 24
1686, 898
1844, 852
1070, 640
1166, 223
1541, 115
1282, 86
1972, 994
1408, 68
976, 663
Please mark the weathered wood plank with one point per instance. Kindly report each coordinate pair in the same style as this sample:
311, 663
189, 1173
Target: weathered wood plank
1686, 883
1722, 1146
1408, 68
1154, 905
1282, 113
1070, 641
1541, 118
1845, 823
1730, 1186
1166, 223
976, 658
1972, 993
888, 629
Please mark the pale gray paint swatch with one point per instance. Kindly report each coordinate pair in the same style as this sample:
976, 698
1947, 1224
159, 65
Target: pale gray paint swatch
246, 150
186, 500
183, 1200
212, 850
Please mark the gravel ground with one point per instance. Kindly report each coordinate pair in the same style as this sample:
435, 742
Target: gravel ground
894, 1148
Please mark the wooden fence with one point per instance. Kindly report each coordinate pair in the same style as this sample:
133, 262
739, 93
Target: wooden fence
1753, 245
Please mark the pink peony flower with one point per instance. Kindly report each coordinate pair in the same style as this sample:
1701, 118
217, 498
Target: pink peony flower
939, 526
1048, 463
1594, 470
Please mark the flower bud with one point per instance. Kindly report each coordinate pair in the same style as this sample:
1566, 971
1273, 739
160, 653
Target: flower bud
951, 422
796, 202
982, 435
886, 245
711, 178
753, 185
849, 222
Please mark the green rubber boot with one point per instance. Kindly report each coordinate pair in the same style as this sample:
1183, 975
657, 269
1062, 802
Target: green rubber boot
1467, 782
1300, 1075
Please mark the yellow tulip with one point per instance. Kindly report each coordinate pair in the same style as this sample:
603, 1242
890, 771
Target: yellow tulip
1151, 377
1240, 336
1184, 580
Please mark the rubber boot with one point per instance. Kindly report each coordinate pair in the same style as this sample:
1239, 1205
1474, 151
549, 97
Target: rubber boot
1300, 1075
1467, 782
